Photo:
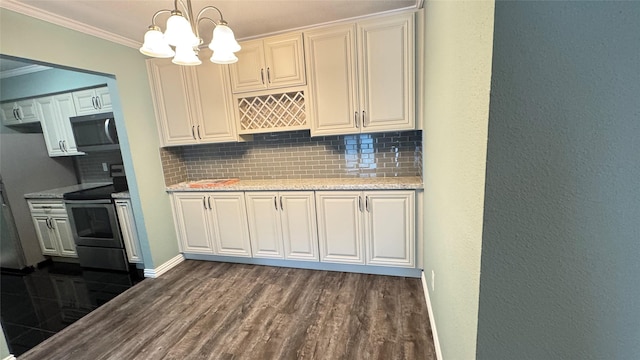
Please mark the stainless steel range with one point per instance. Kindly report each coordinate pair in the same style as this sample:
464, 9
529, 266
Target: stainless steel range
94, 223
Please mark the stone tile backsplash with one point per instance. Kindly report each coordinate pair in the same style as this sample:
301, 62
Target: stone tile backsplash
89, 166
296, 155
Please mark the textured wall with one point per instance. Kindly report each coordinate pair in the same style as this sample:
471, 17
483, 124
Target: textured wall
458, 78
296, 155
561, 235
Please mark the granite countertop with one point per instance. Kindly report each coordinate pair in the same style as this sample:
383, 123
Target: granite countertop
386, 183
121, 195
58, 192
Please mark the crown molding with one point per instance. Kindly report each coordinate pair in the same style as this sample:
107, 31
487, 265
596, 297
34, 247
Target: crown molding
23, 71
56, 19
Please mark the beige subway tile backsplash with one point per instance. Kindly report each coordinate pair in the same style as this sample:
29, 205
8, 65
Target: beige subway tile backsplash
296, 155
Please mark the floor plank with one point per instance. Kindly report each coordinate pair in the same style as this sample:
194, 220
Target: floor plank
210, 310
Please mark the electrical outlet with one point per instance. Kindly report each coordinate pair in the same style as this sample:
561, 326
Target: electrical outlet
105, 167
433, 280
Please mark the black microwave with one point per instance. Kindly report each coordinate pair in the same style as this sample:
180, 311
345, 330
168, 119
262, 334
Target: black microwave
95, 132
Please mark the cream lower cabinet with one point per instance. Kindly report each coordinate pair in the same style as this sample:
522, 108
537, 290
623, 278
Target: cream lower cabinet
128, 229
361, 76
53, 228
192, 104
282, 225
212, 223
370, 227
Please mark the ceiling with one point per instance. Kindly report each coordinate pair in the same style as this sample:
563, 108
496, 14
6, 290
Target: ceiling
125, 21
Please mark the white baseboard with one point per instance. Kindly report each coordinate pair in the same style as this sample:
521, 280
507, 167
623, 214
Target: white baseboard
432, 320
10, 357
154, 273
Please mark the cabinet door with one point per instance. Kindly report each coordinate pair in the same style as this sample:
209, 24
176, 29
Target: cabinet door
66, 109
49, 115
340, 226
284, 57
386, 73
104, 99
211, 103
85, 102
192, 223
264, 224
229, 224
64, 236
128, 230
45, 235
299, 226
171, 102
27, 111
331, 69
390, 228
8, 113
249, 73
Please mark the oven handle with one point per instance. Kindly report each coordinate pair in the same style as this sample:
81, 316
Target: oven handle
88, 202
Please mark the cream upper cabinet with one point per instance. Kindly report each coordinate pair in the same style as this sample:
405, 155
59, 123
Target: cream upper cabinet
92, 101
283, 225
370, 227
192, 104
55, 112
19, 112
362, 76
269, 63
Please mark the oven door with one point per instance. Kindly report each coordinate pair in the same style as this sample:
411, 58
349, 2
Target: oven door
94, 223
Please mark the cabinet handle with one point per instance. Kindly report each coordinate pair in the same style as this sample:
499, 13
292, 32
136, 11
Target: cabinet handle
193, 132
269, 75
209, 201
262, 75
199, 137
64, 146
20, 116
93, 102
48, 223
275, 202
15, 114
360, 203
364, 119
204, 202
366, 203
281, 207
60, 145
98, 102
53, 224
355, 119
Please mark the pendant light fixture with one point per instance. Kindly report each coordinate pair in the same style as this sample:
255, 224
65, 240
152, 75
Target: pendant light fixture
182, 33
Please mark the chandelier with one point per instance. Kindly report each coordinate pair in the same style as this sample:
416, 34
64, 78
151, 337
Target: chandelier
182, 33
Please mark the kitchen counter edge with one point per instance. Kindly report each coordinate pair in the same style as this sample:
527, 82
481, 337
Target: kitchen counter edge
398, 183
57, 193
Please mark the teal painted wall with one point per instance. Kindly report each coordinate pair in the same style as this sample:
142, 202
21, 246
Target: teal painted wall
560, 268
46, 82
25, 37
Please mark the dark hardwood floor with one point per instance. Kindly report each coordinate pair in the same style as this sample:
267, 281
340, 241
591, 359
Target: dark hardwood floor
209, 310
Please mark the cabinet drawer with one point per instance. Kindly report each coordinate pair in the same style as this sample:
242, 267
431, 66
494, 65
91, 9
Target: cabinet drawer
47, 206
